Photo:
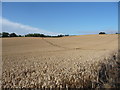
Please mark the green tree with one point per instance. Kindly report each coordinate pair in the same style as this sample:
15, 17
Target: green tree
5, 34
13, 35
60, 35
0, 34
19, 35
67, 35
35, 35
102, 33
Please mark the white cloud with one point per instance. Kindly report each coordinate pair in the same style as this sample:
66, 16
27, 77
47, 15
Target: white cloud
18, 28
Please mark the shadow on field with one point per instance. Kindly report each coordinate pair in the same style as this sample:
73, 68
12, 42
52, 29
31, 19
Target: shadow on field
109, 73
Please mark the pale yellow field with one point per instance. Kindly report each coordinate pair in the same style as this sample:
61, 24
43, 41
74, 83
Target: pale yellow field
55, 62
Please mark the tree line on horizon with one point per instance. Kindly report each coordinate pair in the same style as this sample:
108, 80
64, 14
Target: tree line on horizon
6, 34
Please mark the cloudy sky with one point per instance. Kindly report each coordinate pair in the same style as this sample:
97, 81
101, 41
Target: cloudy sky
9, 26
60, 18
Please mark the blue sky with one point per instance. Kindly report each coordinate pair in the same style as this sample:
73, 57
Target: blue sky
72, 18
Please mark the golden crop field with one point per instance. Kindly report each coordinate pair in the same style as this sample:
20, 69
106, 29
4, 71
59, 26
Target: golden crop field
74, 61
